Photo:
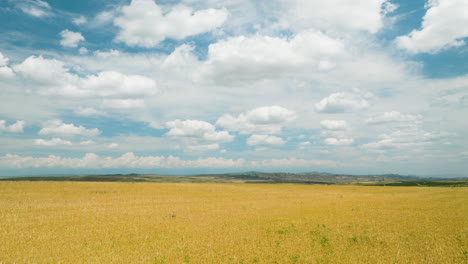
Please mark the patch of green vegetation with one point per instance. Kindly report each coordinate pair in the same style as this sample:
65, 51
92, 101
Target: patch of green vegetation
420, 183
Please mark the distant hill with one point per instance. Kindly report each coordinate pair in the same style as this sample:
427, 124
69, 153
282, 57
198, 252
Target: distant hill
261, 177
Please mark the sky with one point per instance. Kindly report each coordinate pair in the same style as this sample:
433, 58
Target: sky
192, 86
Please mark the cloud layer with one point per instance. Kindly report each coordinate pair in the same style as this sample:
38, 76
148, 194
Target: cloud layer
363, 87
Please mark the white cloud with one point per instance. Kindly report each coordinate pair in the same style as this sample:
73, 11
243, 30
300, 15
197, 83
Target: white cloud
3, 60
179, 23
52, 142
338, 141
86, 111
334, 124
181, 58
341, 103
443, 26
237, 60
87, 142
264, 140
70, 39
123, 103
52, 77
36, 8
58, 128
113, 145
80, 20
104, 18
404, 138
127, 160
293, 163
304, 144
389, 7
392, 117
335, 132
115, 84
83, 50
43, 70
105, 54
197, 130
17, 127
375, 67
6, 72
201, 148
336, 15
130, 160
267, 120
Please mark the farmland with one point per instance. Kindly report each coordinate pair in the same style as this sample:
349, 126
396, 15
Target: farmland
116, 222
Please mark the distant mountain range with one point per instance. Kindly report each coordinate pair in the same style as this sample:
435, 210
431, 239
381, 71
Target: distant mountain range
261, 177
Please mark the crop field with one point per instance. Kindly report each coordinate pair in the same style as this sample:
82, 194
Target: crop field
96, 222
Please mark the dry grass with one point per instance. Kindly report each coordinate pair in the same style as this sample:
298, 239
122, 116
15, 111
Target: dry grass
71, 222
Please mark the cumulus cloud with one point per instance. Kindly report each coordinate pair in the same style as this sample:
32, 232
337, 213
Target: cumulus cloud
80, 20
389, 7
104, 17
44, 71
123, 103
265, 120
87, 111
181, 59
5, 71
243, 59
201, 148
335, 132
36, 8
178, 23
337, 15
404, 138
304, 144
341, 103
442, 28
293, 163
392, 117
70, 39
87, 142
112, 84
334, 124
3, 60
83, 50
106, 54
52, 142
197, 130
338, 141
127, 160
17, 127
113, 145
130, 160
58, 128
264, 140
53, 77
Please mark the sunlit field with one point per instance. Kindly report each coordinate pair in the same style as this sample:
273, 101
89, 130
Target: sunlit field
81, 222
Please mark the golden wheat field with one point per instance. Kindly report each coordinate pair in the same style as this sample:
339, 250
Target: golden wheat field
76, 222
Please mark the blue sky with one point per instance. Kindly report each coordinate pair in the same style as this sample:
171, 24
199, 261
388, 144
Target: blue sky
197, 86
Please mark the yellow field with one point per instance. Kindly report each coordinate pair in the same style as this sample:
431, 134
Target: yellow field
72, 222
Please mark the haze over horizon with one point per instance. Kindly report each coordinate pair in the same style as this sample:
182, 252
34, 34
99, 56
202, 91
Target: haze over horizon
195, 86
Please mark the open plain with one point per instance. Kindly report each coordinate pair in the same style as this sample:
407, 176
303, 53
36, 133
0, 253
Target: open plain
102, 222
